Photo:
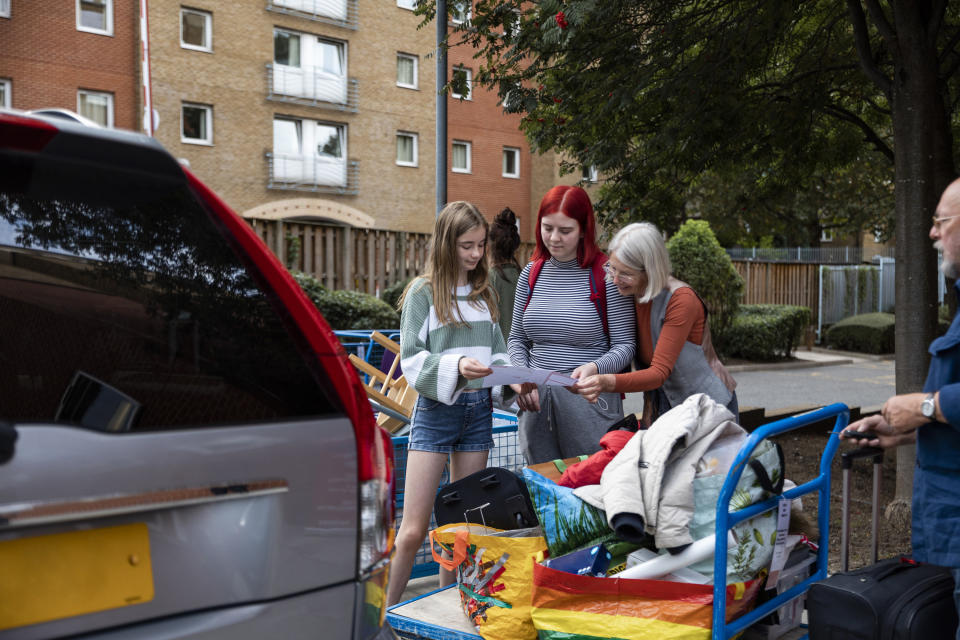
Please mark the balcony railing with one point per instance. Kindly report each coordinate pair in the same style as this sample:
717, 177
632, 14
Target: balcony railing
313, 173
342, 13
312, 87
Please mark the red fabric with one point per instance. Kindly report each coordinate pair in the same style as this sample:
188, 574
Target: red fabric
588, 471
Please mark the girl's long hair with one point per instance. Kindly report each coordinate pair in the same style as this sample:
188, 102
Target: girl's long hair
443, 265
574, 203
504, 240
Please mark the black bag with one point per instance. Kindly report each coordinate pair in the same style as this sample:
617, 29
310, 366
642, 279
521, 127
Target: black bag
494, 497
894, 599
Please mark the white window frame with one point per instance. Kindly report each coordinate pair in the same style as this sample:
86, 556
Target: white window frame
307, 166
308, 79
589, 174
416, 152
410, 5
7, 85
207, 30
461, 17
469, 74
515, 151
469, 167
826, 235
4, 8
107, 18
99, 94
416, 70
208, 116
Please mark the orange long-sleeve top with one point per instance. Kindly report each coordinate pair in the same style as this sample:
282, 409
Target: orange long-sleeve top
684, 321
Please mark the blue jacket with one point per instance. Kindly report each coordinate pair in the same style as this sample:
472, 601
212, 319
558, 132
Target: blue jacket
936, 483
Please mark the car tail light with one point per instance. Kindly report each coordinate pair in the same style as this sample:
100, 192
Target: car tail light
25, 134
376, 498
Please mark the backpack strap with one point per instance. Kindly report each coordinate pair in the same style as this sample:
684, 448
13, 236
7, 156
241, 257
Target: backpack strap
598, 287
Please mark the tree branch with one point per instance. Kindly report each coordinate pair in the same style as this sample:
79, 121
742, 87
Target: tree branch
869, 134
887, 32
862, 39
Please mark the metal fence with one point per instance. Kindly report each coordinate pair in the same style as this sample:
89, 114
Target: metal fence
812, 255
846, 291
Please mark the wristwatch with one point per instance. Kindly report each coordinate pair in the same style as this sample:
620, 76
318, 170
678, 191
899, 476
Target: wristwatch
928, 407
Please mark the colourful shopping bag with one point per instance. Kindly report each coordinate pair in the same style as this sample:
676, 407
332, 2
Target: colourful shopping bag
573, 607
494, 575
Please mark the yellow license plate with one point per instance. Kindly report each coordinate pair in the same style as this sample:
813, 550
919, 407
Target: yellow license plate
69, 574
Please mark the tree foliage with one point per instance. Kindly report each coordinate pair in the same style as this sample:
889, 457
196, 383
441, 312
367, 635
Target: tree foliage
700, 261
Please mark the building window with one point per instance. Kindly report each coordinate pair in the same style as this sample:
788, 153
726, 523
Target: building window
4, 8
406, 149
589, 174
6, 95
95, 16
464, 75
310, 152
196, 30
407, 70
336, 9
826, 235
460, 12
460, 160
309, 67
407, 4
511, 162
196, 123
96, 105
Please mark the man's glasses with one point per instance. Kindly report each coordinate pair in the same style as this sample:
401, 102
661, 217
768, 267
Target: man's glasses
612, 272
937, 221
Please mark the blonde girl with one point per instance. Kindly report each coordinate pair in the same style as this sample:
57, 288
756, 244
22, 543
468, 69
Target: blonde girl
448, 338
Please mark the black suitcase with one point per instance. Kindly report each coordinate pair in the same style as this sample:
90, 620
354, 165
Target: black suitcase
894, 599
494, 497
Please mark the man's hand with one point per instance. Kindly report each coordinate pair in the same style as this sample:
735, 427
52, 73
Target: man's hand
528, 398
471, 368
592, 386
902, 413
886, 436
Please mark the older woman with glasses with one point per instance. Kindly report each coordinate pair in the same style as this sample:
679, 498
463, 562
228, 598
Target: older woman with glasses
674, 352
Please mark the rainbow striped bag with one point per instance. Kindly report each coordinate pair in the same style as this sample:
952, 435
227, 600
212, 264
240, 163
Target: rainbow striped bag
574, 607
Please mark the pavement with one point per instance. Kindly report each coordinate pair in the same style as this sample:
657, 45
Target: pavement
816, 377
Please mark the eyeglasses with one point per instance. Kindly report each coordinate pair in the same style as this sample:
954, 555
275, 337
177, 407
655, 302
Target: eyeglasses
612, 272
937, 221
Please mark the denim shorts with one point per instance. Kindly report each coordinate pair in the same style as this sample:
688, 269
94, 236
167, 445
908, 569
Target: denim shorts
465, 425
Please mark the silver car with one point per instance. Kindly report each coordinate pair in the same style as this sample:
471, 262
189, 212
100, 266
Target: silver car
185, 451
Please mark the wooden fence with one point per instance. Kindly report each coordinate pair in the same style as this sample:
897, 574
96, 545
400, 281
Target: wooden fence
780, 283
340, 257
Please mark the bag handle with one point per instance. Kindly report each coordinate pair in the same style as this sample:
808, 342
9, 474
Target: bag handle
764, 479
459, 550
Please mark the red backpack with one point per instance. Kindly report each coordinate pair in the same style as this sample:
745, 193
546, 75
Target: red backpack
598, 288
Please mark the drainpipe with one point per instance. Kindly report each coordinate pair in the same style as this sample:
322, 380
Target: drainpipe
145, 69
441, 106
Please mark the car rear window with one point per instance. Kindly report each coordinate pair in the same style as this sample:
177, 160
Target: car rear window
124, 308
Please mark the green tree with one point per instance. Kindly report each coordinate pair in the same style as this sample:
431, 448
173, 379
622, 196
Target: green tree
660, 94
700, 261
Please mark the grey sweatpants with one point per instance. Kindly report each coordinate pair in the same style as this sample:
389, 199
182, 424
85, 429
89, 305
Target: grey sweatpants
566, 425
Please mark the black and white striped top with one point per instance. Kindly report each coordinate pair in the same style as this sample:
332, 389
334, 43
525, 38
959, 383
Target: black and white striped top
560, 329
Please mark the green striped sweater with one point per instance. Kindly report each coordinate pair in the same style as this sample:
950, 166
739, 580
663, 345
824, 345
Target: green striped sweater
430, 352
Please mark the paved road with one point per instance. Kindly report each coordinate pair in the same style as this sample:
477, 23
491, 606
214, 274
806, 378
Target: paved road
866, 384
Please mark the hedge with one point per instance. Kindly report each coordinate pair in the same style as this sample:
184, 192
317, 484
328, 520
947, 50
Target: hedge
391, 295
765, 331
866, 333
348, 309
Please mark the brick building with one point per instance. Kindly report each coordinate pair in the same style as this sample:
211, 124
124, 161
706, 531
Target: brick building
82, 56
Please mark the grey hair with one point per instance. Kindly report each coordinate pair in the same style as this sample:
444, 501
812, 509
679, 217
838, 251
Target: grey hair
640, 246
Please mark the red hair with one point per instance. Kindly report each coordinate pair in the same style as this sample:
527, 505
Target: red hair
574, 203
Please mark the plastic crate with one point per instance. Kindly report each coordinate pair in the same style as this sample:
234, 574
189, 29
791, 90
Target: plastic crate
505, 453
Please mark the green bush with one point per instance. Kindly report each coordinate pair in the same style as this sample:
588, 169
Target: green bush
766, 331
391, 295
866, 333
700, 261
348, 309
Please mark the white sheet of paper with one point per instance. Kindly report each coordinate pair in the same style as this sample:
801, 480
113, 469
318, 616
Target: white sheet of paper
519, 375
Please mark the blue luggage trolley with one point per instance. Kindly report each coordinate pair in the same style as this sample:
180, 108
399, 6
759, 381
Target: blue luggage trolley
410, 625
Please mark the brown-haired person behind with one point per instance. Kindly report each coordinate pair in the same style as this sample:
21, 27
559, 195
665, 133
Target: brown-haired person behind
673, 337
504, 241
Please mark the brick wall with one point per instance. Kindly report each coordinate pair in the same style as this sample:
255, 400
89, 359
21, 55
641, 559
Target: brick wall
48, 59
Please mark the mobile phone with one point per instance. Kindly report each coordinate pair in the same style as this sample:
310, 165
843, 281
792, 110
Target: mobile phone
859, 435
